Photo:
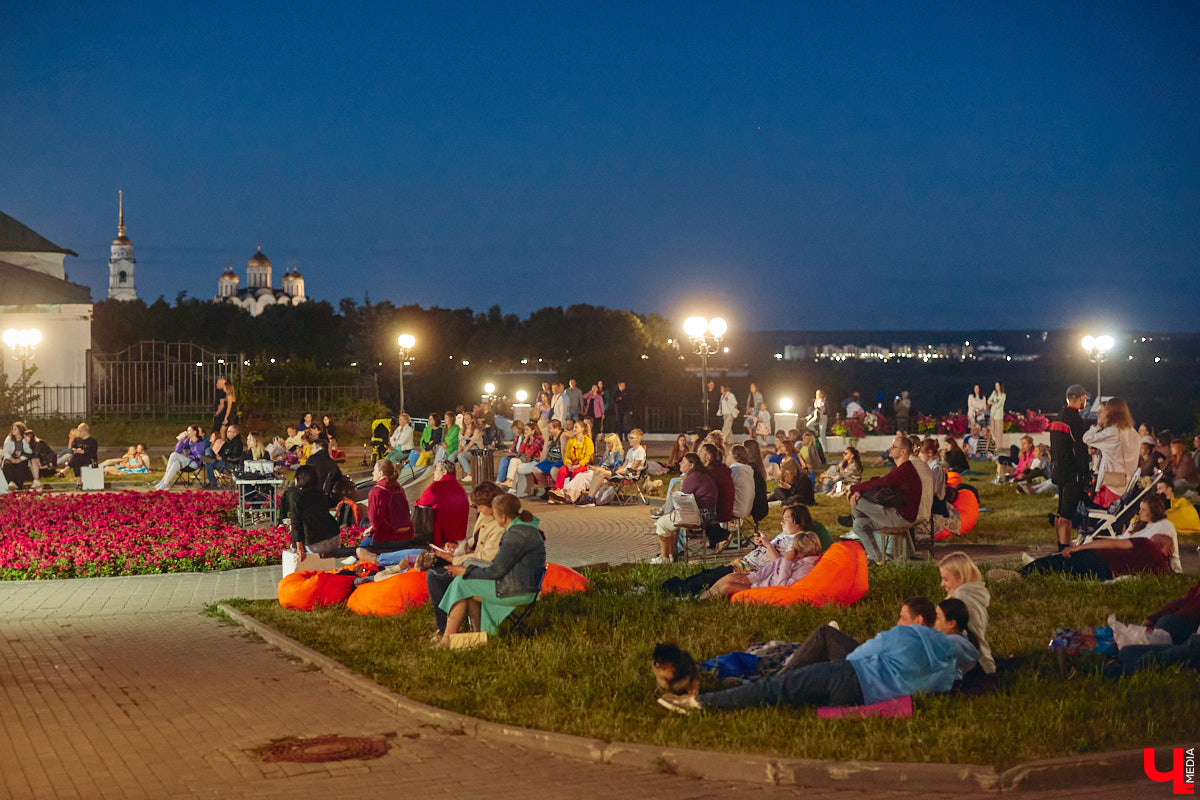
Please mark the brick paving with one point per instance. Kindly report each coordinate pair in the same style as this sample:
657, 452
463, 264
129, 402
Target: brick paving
120, 687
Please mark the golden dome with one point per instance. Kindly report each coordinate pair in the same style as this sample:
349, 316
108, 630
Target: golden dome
121, 241
294, 275
259, 260
229, 275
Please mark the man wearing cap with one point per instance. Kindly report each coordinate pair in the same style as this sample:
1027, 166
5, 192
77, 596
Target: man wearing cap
1069, 461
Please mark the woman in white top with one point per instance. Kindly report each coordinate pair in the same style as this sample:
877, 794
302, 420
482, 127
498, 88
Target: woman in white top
976, 407
1118, 442
401, 439
1151, 521
996, 409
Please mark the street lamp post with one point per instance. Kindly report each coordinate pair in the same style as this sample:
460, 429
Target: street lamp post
705, 335
1097, 347
407, 342
23, 344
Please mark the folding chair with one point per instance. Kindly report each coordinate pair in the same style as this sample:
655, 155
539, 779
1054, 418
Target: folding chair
623, 483
520, 616
1107, 521
690, 539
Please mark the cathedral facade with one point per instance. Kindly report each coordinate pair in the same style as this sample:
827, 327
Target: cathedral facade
258, 293
120, 260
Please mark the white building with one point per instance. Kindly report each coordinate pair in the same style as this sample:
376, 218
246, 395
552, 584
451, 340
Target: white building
258, 292
120, 261
34, 293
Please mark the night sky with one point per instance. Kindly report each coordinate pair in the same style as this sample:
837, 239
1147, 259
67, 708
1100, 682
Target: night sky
790, 165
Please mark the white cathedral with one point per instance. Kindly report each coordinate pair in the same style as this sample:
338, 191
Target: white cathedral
120, 260
258, 293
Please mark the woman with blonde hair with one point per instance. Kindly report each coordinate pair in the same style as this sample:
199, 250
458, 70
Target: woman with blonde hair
1118, 442
783, 569
963, 581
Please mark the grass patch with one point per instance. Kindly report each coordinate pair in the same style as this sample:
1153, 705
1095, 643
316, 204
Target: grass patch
580, 666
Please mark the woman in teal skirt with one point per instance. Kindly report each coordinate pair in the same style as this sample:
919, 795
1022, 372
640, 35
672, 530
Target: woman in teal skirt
491, 590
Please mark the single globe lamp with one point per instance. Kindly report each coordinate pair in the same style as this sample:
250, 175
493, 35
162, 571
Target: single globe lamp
785, 403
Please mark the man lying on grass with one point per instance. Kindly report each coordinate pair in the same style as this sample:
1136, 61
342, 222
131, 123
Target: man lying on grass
911, 658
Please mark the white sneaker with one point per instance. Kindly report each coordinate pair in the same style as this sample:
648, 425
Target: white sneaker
833, 623
684, 704
12, 487
35, 485
466, 479
1026, 558
349, 561
661, 560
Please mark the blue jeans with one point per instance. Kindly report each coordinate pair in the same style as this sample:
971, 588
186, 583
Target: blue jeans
394, 557
464, 458
212, 469
830, 683
1138, 657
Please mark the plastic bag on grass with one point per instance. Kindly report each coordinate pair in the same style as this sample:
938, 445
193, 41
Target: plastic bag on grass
1130, 635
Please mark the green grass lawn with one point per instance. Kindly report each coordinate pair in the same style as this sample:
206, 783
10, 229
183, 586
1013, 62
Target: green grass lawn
580, 665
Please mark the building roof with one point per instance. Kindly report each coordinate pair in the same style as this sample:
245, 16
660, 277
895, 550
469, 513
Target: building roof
15, 237
259, 259
26, 287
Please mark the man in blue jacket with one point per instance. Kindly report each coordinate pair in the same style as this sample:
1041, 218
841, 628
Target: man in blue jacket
905, 660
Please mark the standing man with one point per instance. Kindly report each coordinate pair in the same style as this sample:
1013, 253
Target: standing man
559, 407
574, 401
728, 409
713, 408
1069, 461
219, 406
621, 407
902, 407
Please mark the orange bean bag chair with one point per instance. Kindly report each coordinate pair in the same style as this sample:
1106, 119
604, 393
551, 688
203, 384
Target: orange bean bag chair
953, 478
562, 580
389, 597
968, 508
840, 577
308, 589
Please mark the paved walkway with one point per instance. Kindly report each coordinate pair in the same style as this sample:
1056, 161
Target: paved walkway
120, 687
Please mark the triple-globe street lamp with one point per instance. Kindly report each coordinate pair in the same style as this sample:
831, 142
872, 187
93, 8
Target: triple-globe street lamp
23, 344
705, 335
407, 342
1097, 348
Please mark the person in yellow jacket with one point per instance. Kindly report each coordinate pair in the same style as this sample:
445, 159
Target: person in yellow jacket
1180, 511
577, 455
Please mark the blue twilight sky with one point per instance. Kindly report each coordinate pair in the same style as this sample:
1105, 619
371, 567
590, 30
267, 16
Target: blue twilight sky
791, 164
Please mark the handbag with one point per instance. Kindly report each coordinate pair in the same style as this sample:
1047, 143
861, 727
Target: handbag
685, 514
884, 496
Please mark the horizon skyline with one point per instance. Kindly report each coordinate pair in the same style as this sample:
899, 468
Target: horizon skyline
1028, 164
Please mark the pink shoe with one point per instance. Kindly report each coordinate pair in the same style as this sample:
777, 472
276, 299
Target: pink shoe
896, 707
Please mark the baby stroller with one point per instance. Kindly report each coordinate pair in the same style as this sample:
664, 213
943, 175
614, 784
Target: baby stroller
1109, 521
381, 434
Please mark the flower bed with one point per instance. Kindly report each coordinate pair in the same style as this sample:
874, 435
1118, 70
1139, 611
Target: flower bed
126, 533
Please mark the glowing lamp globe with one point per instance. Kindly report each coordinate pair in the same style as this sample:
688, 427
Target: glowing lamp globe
1104, 343
785, 403
522, 395
695, 326
407, 341
717, 327
1088, 342
489, 388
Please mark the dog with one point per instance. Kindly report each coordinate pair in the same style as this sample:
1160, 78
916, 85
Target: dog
674, 670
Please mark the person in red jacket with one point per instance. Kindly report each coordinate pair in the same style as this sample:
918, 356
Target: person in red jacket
450, 505
390, 522
889, 501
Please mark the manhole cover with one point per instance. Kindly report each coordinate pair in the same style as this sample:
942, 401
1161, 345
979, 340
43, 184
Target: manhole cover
324, 748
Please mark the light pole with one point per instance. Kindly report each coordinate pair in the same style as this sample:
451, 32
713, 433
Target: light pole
706, 335
23, 344
407, 342
1097, 347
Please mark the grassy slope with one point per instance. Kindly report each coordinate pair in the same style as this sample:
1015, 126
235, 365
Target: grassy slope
582, 667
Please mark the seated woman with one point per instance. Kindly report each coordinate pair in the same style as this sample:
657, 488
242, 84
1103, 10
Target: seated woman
401, 440
255, 449
847, 472
783, 569
513, 451
905, 660
430, 442
698, 483
482, 545
447, 501
1182, 466
44, 460
1106, 559
488, 591
17, 455
749, 487
84, 450
471, 438
794, 485
528, 450
1152, 521
1180, 511
389, 519
955, 458
583, 487
313, 528
962, 580
811, 454
578, 453
678, 451
189, 451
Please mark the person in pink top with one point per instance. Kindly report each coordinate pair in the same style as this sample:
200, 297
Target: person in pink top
450, 505
783, 569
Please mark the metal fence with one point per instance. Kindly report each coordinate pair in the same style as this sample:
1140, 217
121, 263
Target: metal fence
152, 379
276, 401
669, 419
57, 401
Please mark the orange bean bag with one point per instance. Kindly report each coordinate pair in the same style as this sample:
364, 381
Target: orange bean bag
968, 508
840, 577
562, 580
307, 589
390, 597
953, 478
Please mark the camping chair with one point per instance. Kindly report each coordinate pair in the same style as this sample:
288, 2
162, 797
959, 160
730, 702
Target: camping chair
1102, 522
518, 617
690, 539
189, 476
624, 483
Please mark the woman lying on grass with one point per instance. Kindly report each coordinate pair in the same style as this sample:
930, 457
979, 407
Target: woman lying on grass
490, 591
783, 569
908, 659
1106, 559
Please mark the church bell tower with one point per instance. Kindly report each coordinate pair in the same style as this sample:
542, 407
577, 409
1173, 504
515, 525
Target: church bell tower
120, 262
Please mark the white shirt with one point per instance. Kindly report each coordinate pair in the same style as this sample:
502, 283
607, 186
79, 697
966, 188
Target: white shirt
1162, 526
402, 438
743, 489
853, 409
558, 407
728, 407
635, 458
1118, 452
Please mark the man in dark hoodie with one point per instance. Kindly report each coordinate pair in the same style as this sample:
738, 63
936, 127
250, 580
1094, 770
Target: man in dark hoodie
1069, 461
